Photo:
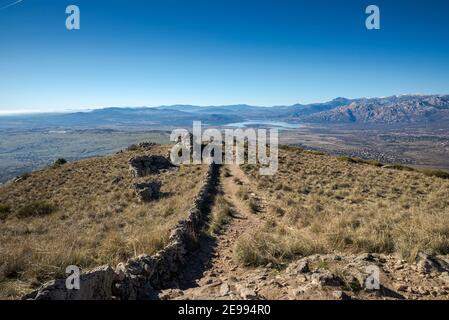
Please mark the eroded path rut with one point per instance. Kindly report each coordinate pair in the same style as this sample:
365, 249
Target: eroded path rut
212, 272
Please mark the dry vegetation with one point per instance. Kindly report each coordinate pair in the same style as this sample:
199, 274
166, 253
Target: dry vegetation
319, 203
85, 213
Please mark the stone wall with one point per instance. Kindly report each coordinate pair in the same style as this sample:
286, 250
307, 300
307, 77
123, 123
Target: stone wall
139, 278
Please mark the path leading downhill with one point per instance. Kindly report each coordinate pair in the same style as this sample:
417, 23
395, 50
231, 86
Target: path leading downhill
214, 273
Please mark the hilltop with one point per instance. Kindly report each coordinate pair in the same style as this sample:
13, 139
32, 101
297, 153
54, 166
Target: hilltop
310, 231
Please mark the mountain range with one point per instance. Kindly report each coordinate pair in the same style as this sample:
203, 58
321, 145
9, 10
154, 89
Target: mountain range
393, 110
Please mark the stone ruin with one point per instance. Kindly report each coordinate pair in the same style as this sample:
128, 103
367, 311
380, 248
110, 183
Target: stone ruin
148, 191
140, 277
141, 166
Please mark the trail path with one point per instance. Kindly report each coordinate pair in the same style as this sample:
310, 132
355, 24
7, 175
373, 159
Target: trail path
212, 273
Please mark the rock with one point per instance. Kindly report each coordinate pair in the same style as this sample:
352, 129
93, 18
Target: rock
365, 257
142, 166
171, 294
120, 272
423, 291
95, 284
148, 191
300, 266
402, 287
326, 278
429, 264
248, 294
224, 289
340, 295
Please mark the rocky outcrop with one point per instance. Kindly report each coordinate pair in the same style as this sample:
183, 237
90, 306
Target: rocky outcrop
95, 284
141, 166
138, 278
148, 191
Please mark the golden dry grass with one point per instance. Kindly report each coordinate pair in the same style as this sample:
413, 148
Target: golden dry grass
318, 203
85, 213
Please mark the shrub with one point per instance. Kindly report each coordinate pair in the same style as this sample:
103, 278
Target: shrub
263, 247
132, 147
221, 216
374, 163
4, 210
398, 166
60, 162
346, 159
436, 173
36, 209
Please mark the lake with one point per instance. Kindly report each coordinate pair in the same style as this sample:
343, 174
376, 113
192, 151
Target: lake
275, 124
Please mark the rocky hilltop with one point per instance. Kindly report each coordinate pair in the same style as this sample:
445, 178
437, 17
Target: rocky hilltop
390, 110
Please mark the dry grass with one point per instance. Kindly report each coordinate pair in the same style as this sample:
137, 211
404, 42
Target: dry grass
221, 215
85, 213
335, 204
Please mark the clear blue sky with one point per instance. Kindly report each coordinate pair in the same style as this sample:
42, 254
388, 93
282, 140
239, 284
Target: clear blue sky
135, 52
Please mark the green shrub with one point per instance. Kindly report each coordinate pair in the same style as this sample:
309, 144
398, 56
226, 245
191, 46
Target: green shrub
36, 209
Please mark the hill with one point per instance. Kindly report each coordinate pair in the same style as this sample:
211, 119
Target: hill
402, 110
312, 230
86, 213
409, 109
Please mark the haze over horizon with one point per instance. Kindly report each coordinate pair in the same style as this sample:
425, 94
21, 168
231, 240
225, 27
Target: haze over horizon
261, 53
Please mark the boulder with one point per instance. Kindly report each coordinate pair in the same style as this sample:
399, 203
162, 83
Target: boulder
95, 284
148, 191
141, 166
326, 278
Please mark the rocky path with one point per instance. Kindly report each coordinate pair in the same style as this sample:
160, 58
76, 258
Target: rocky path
212, 272
218, 277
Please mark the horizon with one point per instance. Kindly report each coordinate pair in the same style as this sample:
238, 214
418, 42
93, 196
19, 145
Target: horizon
5, 113
264, 53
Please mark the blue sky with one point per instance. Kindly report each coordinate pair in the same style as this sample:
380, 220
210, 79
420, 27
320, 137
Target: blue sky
136, 52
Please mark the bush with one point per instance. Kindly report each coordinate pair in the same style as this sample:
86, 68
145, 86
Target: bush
60, 162
374, 163
221, 216
398, 166
36, 209
271, 246
4, 210
436, 173
349, 159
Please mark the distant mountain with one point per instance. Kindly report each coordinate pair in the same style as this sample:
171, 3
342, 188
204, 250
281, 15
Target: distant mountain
404, 109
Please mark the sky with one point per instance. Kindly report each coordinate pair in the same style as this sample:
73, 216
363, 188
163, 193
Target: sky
217, 52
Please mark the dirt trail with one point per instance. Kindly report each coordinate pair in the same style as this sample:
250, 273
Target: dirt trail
214, 274
211, 273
